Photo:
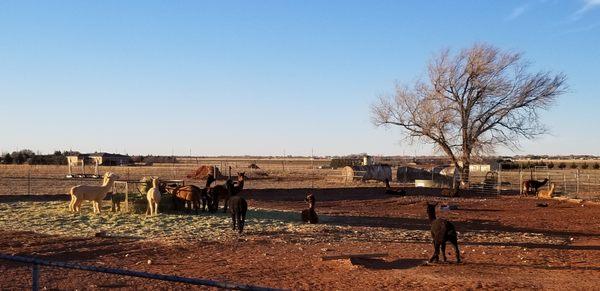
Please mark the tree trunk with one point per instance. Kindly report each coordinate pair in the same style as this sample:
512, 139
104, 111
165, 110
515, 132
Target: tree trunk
464, 174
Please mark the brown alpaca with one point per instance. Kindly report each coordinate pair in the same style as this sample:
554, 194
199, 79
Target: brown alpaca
532, 186
546, 193
187, 194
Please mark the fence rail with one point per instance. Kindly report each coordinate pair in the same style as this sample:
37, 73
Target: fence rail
35, 262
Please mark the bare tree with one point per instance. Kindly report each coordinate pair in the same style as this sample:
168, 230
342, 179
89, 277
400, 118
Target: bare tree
472, 102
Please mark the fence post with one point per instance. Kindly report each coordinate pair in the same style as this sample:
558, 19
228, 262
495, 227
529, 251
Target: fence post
520, 182
499, 185
588, 184
126, 197
29, 182
577, 180
35, 277
565, 183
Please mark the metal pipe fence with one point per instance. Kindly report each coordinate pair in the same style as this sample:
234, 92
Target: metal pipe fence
573, 183
36, 263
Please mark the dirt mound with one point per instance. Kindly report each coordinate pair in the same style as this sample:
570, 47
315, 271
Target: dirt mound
202, 172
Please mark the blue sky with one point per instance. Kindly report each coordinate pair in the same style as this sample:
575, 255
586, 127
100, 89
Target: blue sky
261, 77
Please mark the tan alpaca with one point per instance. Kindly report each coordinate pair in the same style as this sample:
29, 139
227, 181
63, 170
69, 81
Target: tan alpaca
93, 193
546, 193
153, 197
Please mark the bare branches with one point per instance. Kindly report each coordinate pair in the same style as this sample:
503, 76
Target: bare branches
472, 102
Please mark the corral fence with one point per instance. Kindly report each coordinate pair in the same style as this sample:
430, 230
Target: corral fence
575, 183
36, 263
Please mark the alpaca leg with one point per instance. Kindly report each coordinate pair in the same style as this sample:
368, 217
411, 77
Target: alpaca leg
155, 208
225, 206
436, 252
149, 208
99, 205
75, 204
444, 251
233, 221
241, 222
72, 203
454, 242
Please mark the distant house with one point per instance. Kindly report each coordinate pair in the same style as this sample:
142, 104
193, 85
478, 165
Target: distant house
106, 159
95, 159
99, 159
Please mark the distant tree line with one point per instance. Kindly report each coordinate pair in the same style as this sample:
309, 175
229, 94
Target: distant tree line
550, 165
29, 157
149, 159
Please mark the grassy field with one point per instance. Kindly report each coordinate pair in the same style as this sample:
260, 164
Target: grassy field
53, 218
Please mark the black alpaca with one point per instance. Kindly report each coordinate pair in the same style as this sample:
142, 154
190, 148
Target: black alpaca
441, 231
237, 208
208, 197
309, 215
532, 186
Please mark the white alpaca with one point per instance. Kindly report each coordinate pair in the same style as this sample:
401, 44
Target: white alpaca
93, 193
153, 197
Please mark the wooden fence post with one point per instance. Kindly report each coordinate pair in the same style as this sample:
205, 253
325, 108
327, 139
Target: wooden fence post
520, 182
577, 180
29, 182
565, 183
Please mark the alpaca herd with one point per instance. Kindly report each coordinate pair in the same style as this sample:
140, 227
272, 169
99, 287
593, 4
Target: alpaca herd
196, 198
189, 197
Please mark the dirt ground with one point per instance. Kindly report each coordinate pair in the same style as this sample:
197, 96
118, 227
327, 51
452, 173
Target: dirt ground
506, 242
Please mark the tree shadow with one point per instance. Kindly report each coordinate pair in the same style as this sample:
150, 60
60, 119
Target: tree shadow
542, 267
380, 264
424, 224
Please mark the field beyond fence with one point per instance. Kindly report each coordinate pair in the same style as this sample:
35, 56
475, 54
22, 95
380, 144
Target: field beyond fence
51, 179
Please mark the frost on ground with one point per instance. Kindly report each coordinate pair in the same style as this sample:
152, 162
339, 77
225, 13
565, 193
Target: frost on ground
55, 219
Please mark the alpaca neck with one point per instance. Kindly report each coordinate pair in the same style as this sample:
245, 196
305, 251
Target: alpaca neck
431, 214
108, 183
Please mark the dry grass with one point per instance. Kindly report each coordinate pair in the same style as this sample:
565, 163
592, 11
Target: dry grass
47, 179
54, 218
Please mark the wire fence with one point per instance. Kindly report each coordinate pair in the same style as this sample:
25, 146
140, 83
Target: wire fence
36, 263
575, 183
572, 183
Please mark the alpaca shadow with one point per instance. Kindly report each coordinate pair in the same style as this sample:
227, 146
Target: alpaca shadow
479, 210
379, 264
324, 194
538, 246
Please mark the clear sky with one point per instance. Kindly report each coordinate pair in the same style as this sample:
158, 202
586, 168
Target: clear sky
261, 77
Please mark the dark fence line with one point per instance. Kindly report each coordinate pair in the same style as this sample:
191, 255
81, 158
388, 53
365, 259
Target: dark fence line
171, 278
48, 178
